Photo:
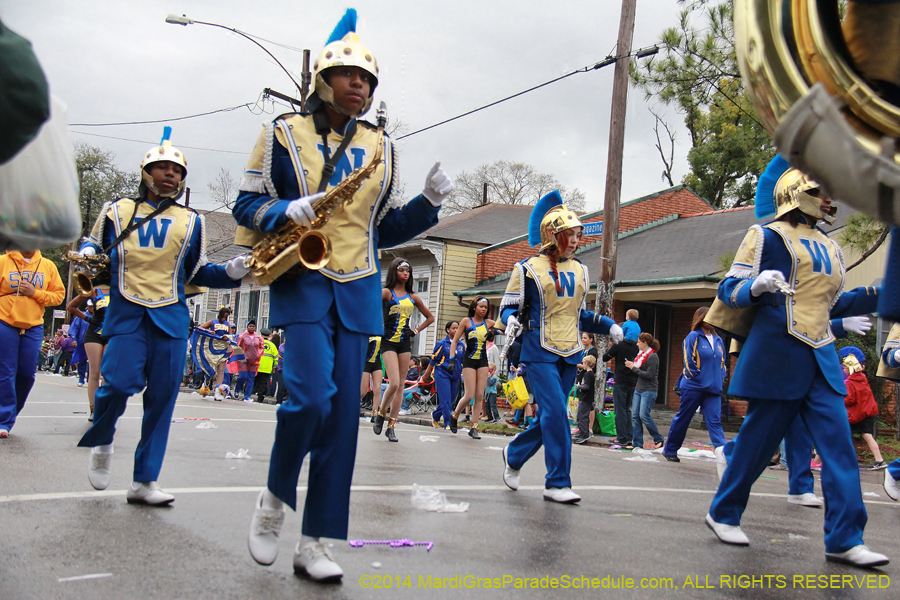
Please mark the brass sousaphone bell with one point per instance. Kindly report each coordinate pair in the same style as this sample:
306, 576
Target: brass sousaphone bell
90, 271
784, 48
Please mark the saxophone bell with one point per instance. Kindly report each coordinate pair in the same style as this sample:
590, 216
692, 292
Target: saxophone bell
314, 250
83, 283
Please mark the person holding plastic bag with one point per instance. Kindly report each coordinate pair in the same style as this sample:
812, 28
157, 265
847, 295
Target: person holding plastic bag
28, 284
546, 293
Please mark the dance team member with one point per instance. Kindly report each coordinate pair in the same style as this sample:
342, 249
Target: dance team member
155, 246
398, 304
547, 293
474, 329
331, 311
373, 374
220, 326
94, 340
790, 342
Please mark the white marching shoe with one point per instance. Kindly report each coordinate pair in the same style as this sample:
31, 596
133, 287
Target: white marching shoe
264, 530
890, 486
98, 468
148, 493
314, 560
721, 461
807, 499
562, 495
858, 556
729, 534
510, 475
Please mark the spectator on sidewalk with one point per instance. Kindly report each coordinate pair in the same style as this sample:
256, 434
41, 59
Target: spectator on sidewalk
251, 343
646, 367
66, 350
490, 395
266, 365
585, 384
862, 410
625, 381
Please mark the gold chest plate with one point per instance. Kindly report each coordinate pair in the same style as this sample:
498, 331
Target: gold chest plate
559, 311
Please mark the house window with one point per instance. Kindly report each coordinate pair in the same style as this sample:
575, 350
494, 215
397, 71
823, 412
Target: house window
421, 286
264, 310
225, 301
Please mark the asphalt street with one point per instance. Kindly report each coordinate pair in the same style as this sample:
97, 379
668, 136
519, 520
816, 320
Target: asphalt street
638, 532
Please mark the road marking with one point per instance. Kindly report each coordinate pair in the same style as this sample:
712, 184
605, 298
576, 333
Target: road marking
82, 577
386, 488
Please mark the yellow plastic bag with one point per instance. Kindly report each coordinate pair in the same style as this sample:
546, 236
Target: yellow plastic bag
516, 393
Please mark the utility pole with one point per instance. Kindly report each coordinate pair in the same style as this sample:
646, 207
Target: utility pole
606, 278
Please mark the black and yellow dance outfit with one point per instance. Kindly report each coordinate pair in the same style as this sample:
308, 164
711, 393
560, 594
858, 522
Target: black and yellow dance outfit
373, 355
397, 333
476, 350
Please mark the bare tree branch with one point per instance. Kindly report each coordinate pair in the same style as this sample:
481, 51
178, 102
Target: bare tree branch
875, 246
667, 162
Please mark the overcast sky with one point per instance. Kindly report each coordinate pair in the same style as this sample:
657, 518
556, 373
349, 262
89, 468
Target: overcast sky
117, 60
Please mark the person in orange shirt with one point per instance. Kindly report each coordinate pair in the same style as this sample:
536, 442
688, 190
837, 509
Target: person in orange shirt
28, 284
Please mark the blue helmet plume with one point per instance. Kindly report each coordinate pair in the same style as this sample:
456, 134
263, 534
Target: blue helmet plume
167, 133
765, 188
344, 26
537, 214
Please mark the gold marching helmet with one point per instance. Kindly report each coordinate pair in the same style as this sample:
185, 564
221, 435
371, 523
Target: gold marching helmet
164, 152
795, 190
345, 52
549, 217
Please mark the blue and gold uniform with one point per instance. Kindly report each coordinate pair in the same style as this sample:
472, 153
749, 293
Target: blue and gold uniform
548, 295
788, 365
446, 383
397, 333
94, 334
334, 310
147, 320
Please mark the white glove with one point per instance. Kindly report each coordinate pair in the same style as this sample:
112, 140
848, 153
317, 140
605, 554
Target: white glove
860, 325
88, 251
301, 212
616, 333
437, 185
765, 282
511, 322
236, 268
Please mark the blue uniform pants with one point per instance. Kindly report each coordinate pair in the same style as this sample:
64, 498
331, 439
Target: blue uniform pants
767, 421
551, 383
446, 389
82, 371
18, 364
146, 357
797, 456
712, 414
319, 417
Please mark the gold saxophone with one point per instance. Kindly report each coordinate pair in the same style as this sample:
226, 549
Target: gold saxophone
280, 252
89, 270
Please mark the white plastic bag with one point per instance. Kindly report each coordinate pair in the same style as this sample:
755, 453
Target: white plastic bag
39, 189
434, 500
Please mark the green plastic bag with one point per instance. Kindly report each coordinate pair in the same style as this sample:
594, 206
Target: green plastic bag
605, 423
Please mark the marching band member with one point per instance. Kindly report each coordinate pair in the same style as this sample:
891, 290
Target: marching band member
332, 311
791, 274
890, 369
220, 326
546, 293
155, 246
447, 369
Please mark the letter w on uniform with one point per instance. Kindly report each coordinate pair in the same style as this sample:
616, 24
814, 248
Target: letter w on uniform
819, 253
567, 285
155, 233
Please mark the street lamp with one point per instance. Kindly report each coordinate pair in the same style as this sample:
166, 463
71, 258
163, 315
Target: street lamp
185, 21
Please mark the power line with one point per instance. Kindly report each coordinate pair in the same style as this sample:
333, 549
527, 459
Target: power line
151, 143
204, 114
605, 62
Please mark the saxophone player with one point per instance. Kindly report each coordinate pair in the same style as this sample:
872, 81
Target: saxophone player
332, 311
